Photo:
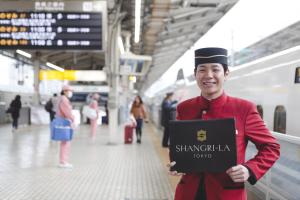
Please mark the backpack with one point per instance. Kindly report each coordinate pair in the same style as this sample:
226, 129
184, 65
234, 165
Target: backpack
11, 107
49, 106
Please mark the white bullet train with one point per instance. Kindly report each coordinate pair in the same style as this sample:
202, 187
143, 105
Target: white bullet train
272, 82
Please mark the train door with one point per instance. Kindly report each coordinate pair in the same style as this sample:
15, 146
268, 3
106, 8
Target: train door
280, 119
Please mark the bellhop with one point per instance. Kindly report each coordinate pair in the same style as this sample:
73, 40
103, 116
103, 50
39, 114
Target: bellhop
211, 72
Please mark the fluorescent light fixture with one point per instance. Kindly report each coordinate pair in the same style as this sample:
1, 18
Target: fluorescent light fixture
121, 46
55, 67
137, 21
23, 53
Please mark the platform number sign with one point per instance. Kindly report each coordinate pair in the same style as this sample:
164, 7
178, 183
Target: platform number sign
297, 75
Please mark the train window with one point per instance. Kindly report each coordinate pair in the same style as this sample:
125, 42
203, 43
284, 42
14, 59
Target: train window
280, 119
297, 75
83, 96
260, 111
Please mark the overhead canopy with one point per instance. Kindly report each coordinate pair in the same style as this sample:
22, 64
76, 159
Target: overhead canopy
168, 29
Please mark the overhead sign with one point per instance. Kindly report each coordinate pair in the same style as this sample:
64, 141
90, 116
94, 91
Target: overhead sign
73, 75
51, 30
131, 64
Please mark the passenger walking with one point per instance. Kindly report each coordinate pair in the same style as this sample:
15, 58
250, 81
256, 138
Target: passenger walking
211, 72
94, 105
168, 112
139, 112
64, 110
14, 109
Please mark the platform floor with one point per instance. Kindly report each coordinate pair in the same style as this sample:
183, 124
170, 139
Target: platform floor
102, 171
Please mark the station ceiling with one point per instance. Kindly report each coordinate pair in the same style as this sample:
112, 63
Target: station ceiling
171, 27
168, 29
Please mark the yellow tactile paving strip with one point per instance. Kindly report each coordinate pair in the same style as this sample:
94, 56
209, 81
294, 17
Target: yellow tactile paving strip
163, 153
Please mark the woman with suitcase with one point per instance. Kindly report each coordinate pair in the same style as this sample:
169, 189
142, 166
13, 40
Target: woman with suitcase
139, 112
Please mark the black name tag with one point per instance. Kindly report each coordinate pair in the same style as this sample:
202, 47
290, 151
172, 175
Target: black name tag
202, 145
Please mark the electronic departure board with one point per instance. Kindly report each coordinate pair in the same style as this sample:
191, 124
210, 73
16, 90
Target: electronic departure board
51, 30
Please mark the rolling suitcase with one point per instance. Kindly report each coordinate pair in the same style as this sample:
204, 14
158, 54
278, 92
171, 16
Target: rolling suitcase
128, 135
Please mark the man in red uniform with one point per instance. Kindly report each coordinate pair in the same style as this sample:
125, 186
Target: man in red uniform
211, 71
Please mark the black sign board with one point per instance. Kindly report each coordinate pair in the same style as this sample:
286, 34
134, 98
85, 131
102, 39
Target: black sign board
51, 30
202, 145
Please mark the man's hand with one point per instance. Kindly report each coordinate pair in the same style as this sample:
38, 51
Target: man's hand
173, 173
238, 173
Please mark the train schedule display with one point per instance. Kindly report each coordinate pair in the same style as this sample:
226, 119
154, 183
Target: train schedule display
51, 30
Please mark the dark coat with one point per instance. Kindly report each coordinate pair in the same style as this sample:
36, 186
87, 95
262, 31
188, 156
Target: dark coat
250, 127
168, 112
15, 107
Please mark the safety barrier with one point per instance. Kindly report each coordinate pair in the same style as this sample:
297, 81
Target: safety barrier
283, 180
24, 118
2, 114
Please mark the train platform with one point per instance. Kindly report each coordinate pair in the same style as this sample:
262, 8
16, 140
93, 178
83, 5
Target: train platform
101, 170
105, 170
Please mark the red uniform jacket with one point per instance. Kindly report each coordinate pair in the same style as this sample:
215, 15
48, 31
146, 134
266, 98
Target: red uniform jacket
250, 126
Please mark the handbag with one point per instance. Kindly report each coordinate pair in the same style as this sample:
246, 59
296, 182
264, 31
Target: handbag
61, 129
89, 112
9, 110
